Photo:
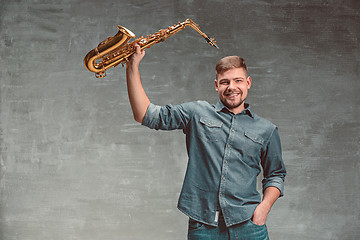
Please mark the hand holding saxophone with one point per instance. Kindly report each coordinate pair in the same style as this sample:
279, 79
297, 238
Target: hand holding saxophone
115, 50
135, 59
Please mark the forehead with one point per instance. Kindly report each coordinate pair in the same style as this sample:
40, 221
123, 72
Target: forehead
232, 74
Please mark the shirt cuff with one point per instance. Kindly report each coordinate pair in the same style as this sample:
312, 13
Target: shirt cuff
275, 182
151, 116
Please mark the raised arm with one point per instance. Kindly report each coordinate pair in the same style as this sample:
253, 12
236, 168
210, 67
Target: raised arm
138, 99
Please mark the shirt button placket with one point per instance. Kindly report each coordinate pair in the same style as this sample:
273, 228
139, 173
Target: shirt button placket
225, 168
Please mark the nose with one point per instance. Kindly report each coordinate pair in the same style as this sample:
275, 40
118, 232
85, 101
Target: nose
231, 85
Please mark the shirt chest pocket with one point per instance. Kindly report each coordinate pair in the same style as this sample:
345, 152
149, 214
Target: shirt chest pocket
209, 129
252, 143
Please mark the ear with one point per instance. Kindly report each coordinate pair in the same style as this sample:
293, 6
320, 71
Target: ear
248, 81
216, 86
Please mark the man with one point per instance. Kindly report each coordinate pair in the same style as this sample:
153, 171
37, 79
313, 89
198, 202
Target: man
226, 145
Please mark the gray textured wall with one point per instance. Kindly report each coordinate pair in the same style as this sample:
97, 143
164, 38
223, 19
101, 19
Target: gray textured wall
75, 165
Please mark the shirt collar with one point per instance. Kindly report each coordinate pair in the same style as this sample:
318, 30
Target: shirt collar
220, 106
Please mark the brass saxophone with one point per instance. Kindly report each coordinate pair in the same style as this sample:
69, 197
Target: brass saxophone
115, 50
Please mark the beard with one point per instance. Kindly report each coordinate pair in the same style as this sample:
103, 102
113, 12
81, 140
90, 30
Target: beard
232, 105
238, 101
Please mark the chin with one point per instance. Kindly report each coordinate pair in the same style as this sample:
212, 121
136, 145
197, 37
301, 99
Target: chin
233, 105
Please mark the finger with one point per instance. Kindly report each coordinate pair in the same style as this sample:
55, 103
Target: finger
138, 48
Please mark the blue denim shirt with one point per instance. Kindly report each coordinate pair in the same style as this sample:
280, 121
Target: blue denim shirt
225, 153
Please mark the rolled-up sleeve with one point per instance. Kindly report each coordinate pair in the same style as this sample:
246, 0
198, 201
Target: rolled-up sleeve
273, 165
152, 116
168, 117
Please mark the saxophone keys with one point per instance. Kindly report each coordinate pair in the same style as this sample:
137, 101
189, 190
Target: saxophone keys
100, 75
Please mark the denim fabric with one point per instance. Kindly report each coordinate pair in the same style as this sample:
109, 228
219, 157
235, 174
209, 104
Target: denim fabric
226, 153
243, 231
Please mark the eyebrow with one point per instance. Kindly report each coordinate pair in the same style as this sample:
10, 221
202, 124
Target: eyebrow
226, 79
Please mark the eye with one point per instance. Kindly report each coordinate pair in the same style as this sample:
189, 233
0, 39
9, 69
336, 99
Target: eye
224, 82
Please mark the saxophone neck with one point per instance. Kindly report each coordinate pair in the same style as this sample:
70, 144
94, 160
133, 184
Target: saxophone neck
191, 23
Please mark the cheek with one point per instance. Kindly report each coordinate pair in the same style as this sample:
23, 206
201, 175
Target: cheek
219, 89
244, 91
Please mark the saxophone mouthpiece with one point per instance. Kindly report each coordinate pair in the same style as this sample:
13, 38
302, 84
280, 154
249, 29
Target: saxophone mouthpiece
211, 41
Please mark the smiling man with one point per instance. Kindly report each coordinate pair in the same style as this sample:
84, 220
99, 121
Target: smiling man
232, 84
227, 146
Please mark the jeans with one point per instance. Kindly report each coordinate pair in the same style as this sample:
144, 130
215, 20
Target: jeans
243, 231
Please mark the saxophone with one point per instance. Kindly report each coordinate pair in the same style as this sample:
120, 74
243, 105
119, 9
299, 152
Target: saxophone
115, 50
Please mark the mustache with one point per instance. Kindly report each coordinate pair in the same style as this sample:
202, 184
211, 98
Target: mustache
229, 91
